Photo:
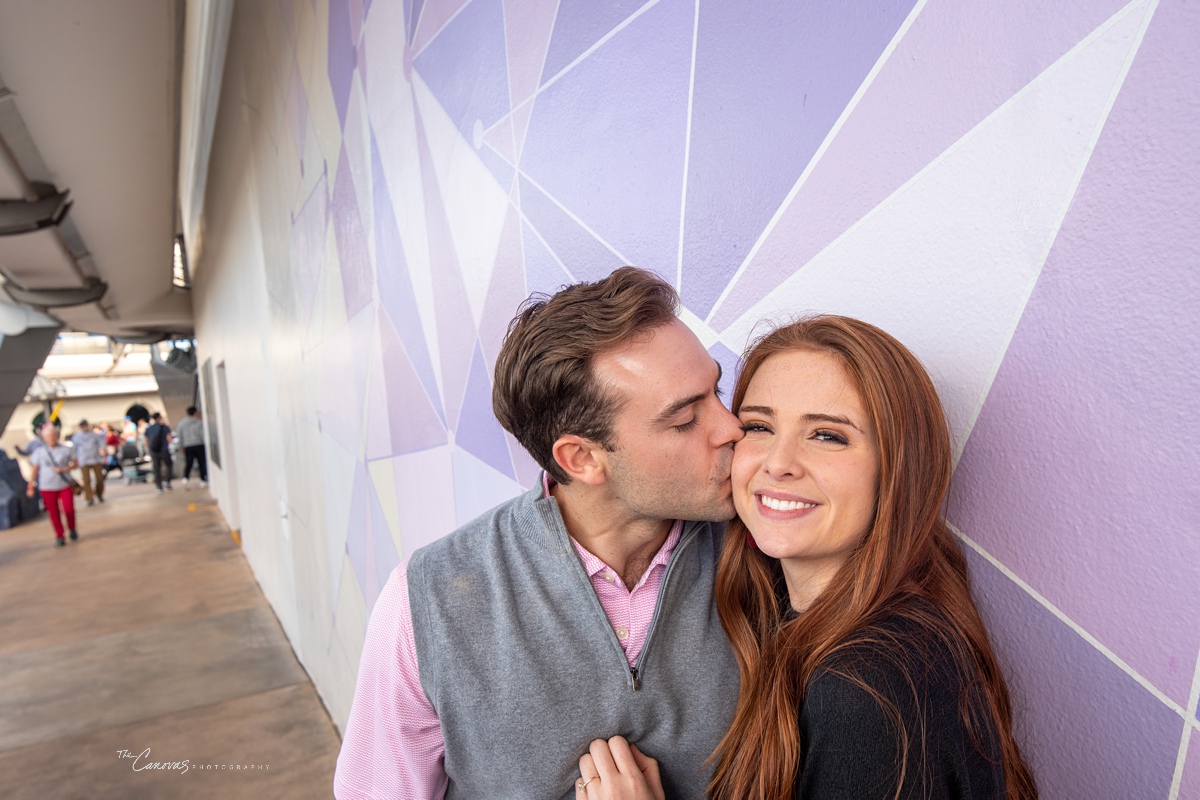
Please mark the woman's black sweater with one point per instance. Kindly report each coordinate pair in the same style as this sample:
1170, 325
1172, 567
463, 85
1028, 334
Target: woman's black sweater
851, 746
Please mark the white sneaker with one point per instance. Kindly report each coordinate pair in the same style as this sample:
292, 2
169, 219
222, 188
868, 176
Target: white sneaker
203, 484
185, 480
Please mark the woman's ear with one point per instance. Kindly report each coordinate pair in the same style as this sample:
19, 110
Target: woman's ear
582, 459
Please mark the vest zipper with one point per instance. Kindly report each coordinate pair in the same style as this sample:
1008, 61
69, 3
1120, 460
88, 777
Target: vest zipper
635, 673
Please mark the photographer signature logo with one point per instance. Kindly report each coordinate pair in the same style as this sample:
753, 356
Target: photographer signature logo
143, 761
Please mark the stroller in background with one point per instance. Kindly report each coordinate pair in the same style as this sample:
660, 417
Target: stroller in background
112, 462
133, 463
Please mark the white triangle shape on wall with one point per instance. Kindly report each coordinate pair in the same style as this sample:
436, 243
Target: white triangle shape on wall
337, 470
383, 478
393, 119
478, 487
947, 262
357, 140
329, 306
476, 206
425, 494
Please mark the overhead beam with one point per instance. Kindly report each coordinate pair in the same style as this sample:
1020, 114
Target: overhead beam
206, 36
27, 216
93, 290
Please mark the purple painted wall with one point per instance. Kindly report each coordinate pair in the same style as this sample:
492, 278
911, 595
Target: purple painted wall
1011, 187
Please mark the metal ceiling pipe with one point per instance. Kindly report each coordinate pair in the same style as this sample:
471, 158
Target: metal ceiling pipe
27, 216
142, 338
93, 290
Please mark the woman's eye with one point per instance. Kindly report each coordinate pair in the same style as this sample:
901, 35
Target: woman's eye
754, 427
830, 436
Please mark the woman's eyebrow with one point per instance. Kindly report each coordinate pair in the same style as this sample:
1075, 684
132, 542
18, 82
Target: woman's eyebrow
831, 418
766, 411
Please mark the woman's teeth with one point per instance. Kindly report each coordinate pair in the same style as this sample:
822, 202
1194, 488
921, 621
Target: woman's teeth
784, 505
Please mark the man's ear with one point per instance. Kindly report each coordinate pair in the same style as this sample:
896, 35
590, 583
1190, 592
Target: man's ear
582, 459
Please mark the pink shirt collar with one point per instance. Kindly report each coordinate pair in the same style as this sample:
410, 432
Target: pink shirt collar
593, 566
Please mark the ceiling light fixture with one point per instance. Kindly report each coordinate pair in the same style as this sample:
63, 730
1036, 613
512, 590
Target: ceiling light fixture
180, 277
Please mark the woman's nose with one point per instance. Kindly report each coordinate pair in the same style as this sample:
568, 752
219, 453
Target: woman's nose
783, 460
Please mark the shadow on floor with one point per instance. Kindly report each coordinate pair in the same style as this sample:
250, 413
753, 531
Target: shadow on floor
149, 633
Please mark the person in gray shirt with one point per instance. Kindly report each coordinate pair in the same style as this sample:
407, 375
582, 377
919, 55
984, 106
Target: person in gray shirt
50, 474
191, 439
89, 453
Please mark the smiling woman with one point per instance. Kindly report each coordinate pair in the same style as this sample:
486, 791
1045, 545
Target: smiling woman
865, 668
807, 471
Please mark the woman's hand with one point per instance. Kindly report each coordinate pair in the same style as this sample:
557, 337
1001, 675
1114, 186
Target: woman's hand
617, 770
29, 490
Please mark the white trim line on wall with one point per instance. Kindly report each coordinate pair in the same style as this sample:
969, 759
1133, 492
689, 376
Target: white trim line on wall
816, 158
438, 32
1142, 681
599, 43
529, 224
1149, 9
1185, 737
687, 151
572, 215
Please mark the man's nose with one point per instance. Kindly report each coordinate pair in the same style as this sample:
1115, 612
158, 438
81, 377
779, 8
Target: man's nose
729, 431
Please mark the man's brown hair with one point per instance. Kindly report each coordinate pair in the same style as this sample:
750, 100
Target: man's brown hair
544, 386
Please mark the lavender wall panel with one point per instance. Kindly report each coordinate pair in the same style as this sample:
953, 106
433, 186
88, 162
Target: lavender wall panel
770, 82
1088, 729
1080, 473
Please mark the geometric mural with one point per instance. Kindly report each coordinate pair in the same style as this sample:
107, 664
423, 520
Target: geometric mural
1008, 186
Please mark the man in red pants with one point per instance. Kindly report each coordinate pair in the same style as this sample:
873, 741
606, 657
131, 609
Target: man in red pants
52, 467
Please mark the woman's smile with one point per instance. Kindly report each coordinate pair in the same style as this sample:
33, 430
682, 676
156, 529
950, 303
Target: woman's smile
782, 505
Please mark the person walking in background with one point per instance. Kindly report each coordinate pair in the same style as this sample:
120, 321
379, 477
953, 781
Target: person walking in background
130, 456
112, 445
191, 439
130, 450
89, 454
158, 444
52, 467
33, 445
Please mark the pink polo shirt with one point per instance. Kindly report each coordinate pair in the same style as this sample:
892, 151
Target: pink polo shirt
393, 745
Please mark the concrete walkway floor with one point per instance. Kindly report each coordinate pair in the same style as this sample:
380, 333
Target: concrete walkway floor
149, 637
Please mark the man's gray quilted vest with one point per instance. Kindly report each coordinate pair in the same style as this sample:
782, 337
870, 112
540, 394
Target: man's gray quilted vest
523, 668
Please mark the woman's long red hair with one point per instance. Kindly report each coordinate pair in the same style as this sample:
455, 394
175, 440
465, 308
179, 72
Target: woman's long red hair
908, 553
